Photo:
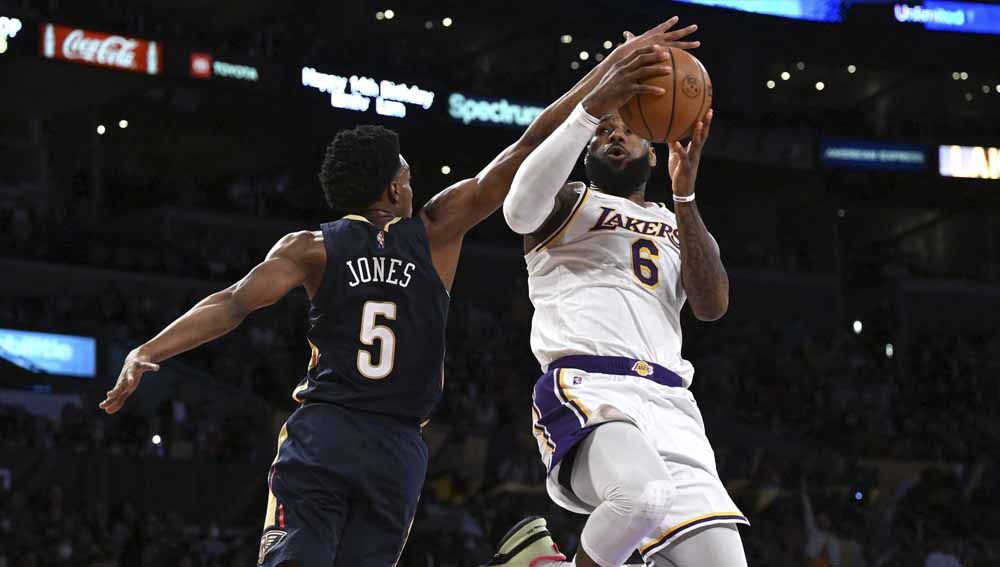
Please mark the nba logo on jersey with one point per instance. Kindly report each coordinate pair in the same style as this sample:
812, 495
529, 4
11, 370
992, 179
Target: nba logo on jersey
642, 368
381, 239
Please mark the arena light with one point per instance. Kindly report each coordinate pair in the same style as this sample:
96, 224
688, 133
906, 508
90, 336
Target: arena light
986, 89
859, 496
851, 69
599, 57
446, 22
841, 213
998, 88
157, 440
8, 29
101, 129
785, 75
857, 326
771, 83
446, 169
380, 15
608, 44
584, 56
574, 65
123, 124
389, 14
956, 75
964, 75
889, 350
428, 25
969, 97
820, 85
800, 66
566, 38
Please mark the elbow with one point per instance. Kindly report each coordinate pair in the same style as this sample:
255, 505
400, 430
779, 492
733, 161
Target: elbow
713, 311
517, 218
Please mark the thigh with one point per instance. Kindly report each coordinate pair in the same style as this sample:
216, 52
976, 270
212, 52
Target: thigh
308, 505
714, 545
614, 453
385, 504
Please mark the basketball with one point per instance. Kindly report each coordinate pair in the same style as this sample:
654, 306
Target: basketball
671, 116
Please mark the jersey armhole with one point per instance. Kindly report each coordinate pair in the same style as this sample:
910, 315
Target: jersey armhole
430, 253
564, 226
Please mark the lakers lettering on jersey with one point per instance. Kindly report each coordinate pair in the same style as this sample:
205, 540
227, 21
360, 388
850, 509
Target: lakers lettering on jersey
607, 283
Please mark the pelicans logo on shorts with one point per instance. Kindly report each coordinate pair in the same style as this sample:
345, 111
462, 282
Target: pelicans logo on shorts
642, 368
270, 540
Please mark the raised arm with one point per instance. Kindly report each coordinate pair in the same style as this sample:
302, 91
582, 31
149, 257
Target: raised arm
702, 273
454, 211
292, 262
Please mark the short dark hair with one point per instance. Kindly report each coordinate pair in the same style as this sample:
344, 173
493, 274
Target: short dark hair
358, 165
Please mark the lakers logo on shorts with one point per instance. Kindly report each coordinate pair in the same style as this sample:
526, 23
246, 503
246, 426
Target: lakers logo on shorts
270, 540
642, 368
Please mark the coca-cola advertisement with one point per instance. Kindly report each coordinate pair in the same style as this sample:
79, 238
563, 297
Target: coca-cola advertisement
101, 49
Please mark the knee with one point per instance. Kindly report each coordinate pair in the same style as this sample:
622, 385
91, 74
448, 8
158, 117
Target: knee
648, 500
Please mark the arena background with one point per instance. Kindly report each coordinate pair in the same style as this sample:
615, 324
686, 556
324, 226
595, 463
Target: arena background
852, 180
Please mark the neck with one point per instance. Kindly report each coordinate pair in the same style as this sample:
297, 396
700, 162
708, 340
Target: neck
638, 196
378, 215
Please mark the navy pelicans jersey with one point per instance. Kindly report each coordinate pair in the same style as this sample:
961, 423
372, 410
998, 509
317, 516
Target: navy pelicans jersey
377, 322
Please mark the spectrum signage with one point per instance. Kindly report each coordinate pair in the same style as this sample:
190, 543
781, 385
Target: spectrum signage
103, 50
204, 66
489, 111
8, 29
976, 162
868, 155
966, 17
66, 355
357, 93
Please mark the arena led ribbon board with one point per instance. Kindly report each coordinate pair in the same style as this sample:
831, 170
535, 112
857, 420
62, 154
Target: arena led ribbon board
78, 45
966, 17
972, 162
468, 110
358, 92
853, 154
49, 353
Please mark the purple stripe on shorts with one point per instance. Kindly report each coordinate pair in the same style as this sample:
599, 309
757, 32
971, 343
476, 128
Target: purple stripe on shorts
561, 423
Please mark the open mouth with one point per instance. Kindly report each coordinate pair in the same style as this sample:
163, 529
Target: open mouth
616, 152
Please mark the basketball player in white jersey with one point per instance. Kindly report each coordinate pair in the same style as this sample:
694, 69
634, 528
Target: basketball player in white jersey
608, 274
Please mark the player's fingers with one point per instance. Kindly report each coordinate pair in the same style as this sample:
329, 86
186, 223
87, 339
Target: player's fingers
649, 71
680, 33
149, 366
640, 89
698, 137
646, 56
663, 27
685, 45
629, 36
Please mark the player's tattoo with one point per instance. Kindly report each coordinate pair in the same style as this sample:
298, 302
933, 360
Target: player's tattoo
702, 273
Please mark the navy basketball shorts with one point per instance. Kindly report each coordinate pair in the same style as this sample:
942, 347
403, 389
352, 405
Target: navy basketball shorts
343, 488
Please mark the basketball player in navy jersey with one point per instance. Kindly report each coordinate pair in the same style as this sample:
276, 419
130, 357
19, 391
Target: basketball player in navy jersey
350, 462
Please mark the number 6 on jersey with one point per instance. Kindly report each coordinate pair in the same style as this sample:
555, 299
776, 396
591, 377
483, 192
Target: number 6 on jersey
370, 332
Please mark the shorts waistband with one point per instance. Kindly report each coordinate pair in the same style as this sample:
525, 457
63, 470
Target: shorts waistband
622, 366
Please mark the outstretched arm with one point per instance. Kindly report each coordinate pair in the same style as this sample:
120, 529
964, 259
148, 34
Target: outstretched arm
287, 266
702, 273
457, 209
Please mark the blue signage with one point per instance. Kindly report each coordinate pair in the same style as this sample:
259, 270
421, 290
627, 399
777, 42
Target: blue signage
814, 10
870, 155
65, 355
490, 111
967, 17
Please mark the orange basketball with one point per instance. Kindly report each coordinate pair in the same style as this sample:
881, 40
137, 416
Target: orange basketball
672, 115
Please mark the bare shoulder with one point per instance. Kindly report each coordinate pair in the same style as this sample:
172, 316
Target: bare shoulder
303, 246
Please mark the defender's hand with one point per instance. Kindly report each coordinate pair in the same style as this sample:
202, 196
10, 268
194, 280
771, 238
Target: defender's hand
136, 364
624, 80
660, 35
683, 163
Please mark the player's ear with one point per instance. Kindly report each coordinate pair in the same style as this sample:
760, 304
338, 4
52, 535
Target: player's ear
393, 192
652, 156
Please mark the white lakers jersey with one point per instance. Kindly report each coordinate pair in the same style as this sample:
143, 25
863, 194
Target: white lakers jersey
608, 283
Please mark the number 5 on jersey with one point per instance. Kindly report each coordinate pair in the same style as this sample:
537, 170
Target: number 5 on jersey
370, 332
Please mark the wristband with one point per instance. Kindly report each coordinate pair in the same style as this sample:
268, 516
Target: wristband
685, 199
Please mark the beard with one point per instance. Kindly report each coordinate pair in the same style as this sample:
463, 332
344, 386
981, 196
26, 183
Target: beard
618, 181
